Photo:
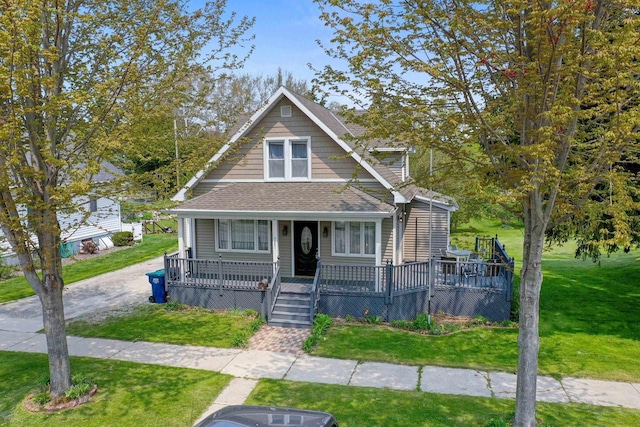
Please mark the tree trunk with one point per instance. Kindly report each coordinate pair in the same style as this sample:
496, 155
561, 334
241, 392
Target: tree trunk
528, 336
55, 331
53, 304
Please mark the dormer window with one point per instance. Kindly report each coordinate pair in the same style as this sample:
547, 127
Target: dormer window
285, 111
287, 159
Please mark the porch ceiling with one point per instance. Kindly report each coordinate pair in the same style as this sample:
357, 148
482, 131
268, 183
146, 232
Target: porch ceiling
286, 199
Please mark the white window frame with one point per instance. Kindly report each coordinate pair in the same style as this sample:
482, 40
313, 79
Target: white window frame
347, 229
287, 142
255, 237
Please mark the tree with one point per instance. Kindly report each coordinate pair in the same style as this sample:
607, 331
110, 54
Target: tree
539, 97
238, 94
74, 76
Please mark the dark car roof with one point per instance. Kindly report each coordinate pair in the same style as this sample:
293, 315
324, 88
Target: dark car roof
267, 416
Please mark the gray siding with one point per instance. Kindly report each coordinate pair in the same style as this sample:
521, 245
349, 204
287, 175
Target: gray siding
206, 246
416, 234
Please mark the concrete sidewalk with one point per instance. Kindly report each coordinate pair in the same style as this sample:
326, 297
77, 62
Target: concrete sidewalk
20, 320
251, 365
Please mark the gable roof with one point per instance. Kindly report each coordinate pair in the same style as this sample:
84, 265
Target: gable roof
334, 127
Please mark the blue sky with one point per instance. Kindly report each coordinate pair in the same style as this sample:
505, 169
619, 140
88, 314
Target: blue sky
285, 36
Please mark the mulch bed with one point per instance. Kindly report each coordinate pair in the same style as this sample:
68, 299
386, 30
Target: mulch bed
59, 406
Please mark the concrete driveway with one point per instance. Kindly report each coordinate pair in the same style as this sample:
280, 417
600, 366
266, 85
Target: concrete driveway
109, 291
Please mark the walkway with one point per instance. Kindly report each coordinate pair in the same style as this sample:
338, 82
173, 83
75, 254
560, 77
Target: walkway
20, 321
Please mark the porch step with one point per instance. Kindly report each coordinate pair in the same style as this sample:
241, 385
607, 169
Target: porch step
291, 311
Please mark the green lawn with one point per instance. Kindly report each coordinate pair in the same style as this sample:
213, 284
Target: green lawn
129, 394
589, 327
362, 406
153, 245
158, 323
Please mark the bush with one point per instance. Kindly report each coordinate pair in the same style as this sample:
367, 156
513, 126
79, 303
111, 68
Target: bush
321, 323
6, 271
122, 238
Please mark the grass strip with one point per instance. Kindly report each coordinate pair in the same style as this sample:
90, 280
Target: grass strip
130, 394
162, 323
153, 245
363, 406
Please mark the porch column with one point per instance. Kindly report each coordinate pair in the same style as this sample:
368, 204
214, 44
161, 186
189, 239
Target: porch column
181, 246
394, 237
378, 242
275, 240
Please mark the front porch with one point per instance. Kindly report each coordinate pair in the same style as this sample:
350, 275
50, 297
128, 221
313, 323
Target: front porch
483, 286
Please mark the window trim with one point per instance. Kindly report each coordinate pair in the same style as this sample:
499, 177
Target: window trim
347, 246
255, 236
288, 157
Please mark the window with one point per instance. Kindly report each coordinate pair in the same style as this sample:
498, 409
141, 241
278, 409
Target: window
242, 235
276, 159
354, 238
93, 204
285, 111
287, 159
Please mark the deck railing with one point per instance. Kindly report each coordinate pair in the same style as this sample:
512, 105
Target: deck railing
387, 279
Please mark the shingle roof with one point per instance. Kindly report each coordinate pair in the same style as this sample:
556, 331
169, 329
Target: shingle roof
340, 127
321, 197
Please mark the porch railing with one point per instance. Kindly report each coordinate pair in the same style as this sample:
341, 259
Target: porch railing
273, 291
220, 273
315, 292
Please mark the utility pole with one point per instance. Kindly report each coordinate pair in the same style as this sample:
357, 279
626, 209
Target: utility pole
175, 138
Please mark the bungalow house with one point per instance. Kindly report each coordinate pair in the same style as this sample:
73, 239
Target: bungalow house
289, 192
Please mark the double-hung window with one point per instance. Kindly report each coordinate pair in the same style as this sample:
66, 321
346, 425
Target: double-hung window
287, 159
354, 238
242, 235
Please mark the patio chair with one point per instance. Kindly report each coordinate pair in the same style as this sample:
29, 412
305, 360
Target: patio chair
453, 247
443, 253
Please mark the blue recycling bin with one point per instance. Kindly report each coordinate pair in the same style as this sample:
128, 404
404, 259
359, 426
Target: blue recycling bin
156, 278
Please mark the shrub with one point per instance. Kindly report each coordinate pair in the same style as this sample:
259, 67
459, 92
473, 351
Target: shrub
421, 322
375, 320
321, 323
6, 271
122, 238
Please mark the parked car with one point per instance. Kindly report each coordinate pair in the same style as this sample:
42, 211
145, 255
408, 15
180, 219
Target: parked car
267, 416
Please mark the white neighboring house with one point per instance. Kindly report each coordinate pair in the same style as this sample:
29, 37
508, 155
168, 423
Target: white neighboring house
97, 218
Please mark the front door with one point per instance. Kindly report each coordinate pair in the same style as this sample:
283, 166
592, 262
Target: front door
305, 247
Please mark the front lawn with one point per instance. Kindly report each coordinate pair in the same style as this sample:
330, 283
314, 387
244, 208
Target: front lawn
589, 322
362, 406
129, 394
153, 245
173, 324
